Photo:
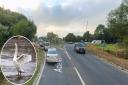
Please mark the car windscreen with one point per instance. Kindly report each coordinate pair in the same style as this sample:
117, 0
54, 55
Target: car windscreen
46, 44
80, 45
52, 52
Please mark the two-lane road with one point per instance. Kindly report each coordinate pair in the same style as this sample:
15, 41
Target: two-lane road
59, 74
79, 69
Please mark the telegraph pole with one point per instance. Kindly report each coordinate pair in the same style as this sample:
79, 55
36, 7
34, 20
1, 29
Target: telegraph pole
86, 27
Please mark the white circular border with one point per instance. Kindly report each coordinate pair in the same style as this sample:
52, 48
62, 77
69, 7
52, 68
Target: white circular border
36, 60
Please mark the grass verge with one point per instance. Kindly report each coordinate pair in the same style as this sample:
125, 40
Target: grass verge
40, 60
109, 57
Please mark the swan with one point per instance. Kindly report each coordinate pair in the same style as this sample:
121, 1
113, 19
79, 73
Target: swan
20, 60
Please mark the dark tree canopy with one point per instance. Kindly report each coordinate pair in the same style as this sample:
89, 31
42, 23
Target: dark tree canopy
13, 23
70, 37
118, 22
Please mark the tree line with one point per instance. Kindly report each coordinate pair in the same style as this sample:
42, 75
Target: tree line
115, 31
13, 23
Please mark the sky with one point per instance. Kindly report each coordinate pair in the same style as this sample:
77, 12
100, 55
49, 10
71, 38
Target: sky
63, 16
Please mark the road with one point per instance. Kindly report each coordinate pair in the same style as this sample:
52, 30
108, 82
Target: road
80, 69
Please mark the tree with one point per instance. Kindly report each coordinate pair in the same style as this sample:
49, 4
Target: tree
53, 38
13, 23
24, 28
4, 34
78, 38
70, 37
99, 32
86, 36
118, 22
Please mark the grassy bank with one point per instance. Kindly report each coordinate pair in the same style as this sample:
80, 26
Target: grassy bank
101, 53
40, 59
115, 49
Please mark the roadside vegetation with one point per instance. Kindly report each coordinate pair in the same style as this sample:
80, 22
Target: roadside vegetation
40, 60
11, 24
114, 49
54, 40
101, 53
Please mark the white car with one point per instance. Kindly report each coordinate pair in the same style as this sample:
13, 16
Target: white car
52, 56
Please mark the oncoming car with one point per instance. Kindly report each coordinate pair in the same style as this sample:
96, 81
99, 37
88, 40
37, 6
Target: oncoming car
79, 48
52, 56
46, 46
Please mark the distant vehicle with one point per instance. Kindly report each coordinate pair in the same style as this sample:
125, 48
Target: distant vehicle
70, 42
46, 46
79, 48
52, 56
41, 45
98, 42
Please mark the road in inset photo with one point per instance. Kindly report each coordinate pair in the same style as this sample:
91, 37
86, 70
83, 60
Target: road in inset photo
18, 60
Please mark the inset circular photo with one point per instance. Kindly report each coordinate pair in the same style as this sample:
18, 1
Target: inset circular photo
18, 60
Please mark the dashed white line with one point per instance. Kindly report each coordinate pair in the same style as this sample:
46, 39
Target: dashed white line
82, 81
67, 54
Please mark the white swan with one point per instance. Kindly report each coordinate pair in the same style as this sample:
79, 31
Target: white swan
22, 59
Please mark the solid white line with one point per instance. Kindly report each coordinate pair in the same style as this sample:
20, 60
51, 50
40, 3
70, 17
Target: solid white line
82, 81
67, 54
42, 70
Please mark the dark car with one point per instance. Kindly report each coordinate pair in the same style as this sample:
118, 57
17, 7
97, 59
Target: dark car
79, 48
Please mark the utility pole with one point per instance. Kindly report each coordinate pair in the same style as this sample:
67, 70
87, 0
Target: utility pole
86, 25
86, 29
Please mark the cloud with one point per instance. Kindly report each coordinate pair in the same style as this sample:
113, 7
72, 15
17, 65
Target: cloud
63, 16
63, 13
15, 5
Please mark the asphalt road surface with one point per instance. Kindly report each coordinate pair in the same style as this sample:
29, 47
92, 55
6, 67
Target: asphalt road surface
80, 69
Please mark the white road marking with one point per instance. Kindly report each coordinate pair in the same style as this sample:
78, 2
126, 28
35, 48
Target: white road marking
82, 81
58, 67
67, 54
58, 70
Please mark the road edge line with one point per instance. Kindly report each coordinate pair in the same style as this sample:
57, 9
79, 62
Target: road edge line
42, 70
82, 81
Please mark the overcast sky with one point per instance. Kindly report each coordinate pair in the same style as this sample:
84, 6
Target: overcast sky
63, 16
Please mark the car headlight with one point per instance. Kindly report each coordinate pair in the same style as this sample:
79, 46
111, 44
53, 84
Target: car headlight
77, 48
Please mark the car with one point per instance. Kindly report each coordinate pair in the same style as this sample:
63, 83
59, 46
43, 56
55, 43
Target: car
46, 46
69, 42
97, 42
79, 48
41, 45
52, 56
